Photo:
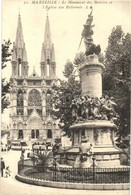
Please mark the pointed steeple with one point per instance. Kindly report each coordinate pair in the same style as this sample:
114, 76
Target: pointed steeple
19, 56
19, 34
42, 53
24, 54
53, 53
47, 53
47, 37
14, 54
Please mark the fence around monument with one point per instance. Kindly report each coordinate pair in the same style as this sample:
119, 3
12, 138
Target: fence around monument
75, 175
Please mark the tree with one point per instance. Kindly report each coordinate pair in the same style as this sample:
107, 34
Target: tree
6, 53
63, 96
116, 78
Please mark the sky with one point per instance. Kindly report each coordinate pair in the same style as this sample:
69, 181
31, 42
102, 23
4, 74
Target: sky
66, 24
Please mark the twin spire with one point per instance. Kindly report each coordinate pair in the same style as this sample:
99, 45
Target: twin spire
48, 66
19, 56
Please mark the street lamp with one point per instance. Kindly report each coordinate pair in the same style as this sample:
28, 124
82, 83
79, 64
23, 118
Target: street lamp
93, 158
55, 159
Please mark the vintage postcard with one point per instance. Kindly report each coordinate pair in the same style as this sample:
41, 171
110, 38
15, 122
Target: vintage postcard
65, 97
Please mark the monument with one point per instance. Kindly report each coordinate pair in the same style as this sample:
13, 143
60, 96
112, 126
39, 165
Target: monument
95, 115
93, 157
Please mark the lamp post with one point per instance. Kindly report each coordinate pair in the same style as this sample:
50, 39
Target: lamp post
55, 159
21, 153
93, 158
33, 154
22, 156
40, 150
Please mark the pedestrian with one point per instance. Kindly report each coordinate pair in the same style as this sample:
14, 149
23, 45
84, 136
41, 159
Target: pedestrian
7, 172
2, 167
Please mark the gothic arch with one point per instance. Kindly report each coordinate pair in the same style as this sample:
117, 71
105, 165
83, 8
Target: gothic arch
49, 130
20, 98
49, 125
35, 123
20, 125
20, 102
49, 133
48, 102
20, 130
34, 98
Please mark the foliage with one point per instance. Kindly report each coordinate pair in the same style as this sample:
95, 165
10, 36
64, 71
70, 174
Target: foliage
44, 158
116, 78
63, 96
4, 132
6, 53
79, 59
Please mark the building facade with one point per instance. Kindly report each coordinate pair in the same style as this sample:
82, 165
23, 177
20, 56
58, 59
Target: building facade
30, 96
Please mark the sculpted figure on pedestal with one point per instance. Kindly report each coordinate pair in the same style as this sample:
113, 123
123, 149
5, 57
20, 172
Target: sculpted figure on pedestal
84, 159
87, 33
90, 108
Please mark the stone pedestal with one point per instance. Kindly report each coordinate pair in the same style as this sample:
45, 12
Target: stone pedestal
100, 132
90, 75
101, 136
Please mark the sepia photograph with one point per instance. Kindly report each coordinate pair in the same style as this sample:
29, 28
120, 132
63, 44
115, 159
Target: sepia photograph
65, 97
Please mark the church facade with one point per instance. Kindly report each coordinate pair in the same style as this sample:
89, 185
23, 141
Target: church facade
30, 96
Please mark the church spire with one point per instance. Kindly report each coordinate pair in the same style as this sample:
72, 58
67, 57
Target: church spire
47, 53
47, 37
19, 34
19, 56
24, 54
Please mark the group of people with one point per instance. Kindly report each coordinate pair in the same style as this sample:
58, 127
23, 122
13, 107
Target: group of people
90, 108
5, 169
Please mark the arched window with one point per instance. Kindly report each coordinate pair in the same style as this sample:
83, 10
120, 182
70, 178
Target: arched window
20, 102
34, 98
49, 133
20, 98
37, 133
33, 134
48, 102
19, 67
20, 134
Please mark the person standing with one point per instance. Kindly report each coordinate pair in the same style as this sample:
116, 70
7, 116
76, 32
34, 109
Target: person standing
7, 172
2, 167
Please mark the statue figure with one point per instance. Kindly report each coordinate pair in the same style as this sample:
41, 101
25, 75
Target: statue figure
87, 33
83, 159
74, 109
112, 105
97, 104
108, 106
56, 147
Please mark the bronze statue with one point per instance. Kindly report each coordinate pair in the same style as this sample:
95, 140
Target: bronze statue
86, 34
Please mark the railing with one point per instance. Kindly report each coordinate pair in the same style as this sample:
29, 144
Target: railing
75, 175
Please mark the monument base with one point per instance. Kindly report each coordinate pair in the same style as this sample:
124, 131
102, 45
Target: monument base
104, 157
101, 136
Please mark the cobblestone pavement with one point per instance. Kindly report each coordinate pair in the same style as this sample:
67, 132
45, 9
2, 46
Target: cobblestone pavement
10, 186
